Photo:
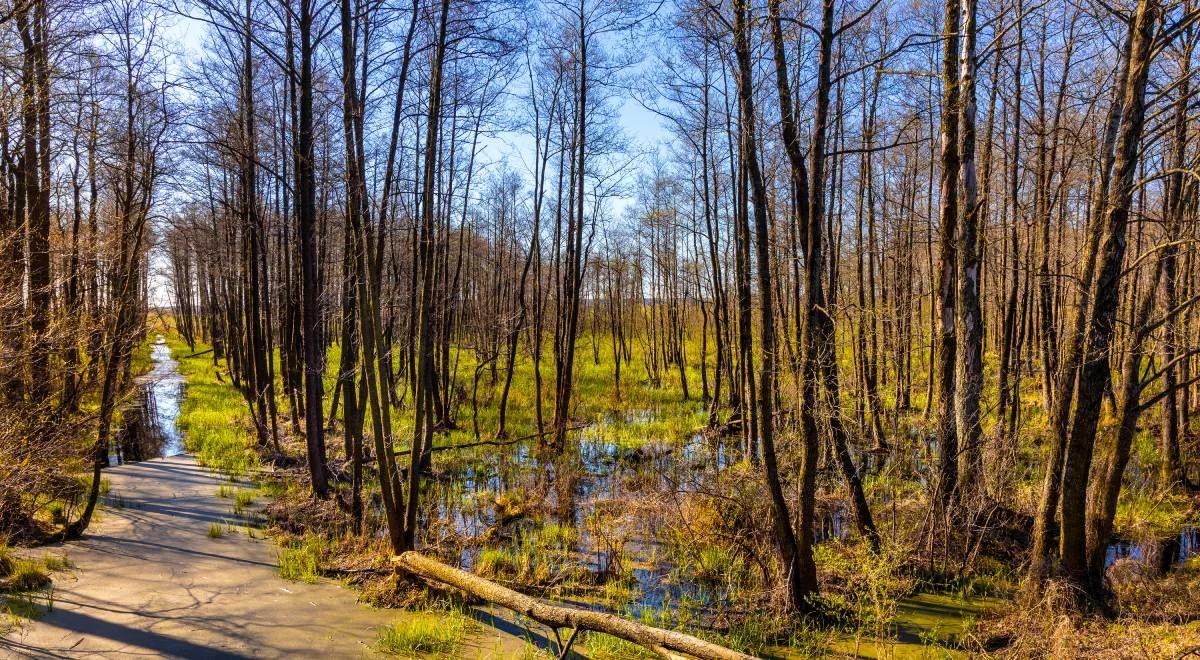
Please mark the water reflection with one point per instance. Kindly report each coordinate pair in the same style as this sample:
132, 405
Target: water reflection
148, 429
1163, 553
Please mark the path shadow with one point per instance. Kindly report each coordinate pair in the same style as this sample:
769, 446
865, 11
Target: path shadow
115, 541
153, 644
165, 515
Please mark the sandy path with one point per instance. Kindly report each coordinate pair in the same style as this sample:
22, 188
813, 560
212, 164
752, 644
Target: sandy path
149, 582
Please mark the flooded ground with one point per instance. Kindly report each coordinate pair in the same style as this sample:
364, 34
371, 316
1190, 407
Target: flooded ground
148, 427
1163, 553
619, 524
638, 527
649, 513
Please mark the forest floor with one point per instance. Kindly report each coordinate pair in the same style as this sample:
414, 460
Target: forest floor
181, 563
154, 577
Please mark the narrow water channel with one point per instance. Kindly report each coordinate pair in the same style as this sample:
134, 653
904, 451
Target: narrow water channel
148, 429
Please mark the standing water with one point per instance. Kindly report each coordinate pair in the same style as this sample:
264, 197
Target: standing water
1162, 553
149, 429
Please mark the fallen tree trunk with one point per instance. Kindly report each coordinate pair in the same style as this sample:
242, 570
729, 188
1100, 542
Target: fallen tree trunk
663, 642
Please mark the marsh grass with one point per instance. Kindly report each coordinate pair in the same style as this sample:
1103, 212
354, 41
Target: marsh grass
540, 557
213, 418
26, 588
241, 500
26, 575
274, 488
531, 651
300, 558
1146, 512
438, 634
55, 562
599, 646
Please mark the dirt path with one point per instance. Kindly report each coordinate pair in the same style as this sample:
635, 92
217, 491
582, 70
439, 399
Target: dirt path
149, 582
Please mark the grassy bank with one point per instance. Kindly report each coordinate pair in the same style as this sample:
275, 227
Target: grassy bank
213, 418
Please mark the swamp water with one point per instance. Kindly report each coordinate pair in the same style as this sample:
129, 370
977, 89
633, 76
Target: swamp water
612, 509
148, 424
1162, 554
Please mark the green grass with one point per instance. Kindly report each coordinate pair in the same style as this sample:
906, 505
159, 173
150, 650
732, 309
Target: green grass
216, 530
54, 562
19, 574
26, 590
1144, 512
217, 428
537, 556
241, 500
530, 651
599, 646
213, 418
26, 575
300, 559
426, 633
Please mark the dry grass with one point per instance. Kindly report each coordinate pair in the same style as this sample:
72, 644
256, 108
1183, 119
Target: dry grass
1157, 617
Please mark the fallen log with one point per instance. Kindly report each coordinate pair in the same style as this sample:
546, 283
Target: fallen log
666, 643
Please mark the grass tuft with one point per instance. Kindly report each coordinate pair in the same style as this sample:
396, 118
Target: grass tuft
54, 562
431, 633
606, 647
241, 500
26, 575
300, 560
